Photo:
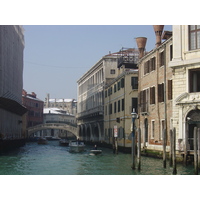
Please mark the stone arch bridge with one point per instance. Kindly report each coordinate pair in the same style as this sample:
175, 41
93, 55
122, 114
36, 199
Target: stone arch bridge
61, 126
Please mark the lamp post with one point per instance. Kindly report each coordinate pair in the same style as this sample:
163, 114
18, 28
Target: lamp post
134, 116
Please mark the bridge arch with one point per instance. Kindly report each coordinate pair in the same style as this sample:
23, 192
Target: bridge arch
70, 128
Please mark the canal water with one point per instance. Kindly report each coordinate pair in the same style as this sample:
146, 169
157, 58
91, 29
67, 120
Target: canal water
52, 159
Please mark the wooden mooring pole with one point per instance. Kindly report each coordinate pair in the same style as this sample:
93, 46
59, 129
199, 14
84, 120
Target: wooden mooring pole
164, 148
170, 151
139, 150
174, 152
195, 152
198, 146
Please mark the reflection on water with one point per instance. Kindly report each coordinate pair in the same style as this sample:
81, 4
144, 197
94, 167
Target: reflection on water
52, 159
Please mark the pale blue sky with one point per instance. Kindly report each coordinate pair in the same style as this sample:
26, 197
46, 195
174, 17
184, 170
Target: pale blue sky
56, 56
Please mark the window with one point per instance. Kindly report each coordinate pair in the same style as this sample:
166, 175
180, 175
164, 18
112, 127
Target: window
169, 89
194, 80
161, 92
115, 107
146, 67
122, 83
153, 64
194, 37
152, 95
122, 104
110, 108
134, 82
161, 58
171, 52
134, 104
105, 93
112, 71
119, 106
144, 100
119, 85
115, 88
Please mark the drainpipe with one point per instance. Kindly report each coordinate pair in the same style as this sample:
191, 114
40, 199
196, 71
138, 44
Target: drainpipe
124, 110
165, 112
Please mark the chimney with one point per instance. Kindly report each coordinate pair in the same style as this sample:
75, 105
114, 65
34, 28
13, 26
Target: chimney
33, 94
141, 43
47, 100
158, 31
24, 93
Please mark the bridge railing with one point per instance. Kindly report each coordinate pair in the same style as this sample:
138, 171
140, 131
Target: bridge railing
61, 126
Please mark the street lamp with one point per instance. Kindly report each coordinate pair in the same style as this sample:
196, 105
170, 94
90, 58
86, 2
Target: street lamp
134, 116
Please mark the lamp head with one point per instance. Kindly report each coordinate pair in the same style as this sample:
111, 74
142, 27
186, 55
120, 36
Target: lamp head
134, 114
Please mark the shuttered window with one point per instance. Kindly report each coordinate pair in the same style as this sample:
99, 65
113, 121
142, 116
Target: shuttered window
122, 104
144, 100
134, 82
119, 106
161, 92
161, 58
169, 89
152, 95
135, 104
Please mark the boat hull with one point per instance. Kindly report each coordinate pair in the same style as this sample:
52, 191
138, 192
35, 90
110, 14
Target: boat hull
95, 152
64, 143
76, 147
42, 141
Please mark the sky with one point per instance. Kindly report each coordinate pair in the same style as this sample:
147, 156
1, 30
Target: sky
56, 56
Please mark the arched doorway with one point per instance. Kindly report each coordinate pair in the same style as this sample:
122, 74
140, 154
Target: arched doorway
88, 133
96, 133
193, 120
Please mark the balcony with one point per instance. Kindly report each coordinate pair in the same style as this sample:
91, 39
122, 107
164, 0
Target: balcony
97, 111
128, 58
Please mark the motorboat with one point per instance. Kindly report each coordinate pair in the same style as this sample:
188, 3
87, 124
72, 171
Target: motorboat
42, 140
76, 146
95, 151
64, 142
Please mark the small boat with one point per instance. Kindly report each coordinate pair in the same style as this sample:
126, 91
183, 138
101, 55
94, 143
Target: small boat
52, 138
76, 146
64, 142
42, 141
95, 152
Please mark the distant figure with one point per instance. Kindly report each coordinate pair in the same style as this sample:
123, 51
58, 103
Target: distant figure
78, 142
95, 147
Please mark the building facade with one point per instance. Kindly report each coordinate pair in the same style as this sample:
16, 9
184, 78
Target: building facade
56, 115
91, 98
11, 81
155, 92
121, 96
91, 93
69, 105
34, 116
186, 84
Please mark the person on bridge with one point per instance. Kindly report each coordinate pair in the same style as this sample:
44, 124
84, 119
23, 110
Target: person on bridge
95, 147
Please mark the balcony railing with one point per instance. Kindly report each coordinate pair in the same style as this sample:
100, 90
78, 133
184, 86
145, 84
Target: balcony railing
93, 111
129, 60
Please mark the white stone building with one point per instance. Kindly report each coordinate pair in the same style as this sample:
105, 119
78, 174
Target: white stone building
56, 115
186, 84
91, 88
69, 105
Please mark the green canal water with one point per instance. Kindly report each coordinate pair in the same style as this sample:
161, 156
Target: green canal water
52, 159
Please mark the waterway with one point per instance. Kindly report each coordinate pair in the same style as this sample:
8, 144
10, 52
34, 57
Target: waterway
52, 159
